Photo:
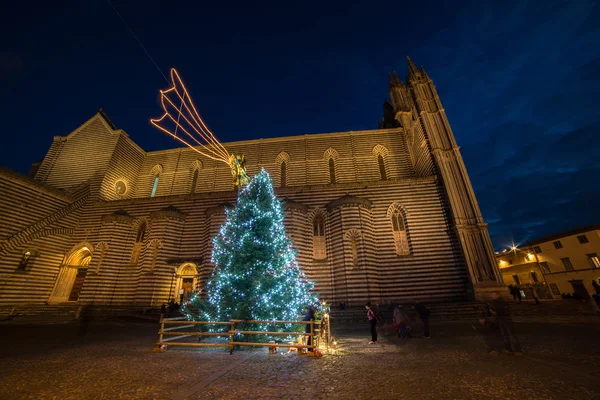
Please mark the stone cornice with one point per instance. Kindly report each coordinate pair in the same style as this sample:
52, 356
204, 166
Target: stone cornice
169, 212
119, 217
280, 192
348, 200
291, 205
220, 209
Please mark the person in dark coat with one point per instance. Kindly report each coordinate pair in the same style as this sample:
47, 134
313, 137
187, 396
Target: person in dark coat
423, 313
513, 291
500, 309
310, 316
402, 321
372, 316
518, 291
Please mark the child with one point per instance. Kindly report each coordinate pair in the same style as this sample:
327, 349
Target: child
491, 335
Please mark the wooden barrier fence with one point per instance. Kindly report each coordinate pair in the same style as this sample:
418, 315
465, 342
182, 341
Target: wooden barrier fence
172, 326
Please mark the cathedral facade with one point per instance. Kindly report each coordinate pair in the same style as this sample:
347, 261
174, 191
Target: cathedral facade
384, 215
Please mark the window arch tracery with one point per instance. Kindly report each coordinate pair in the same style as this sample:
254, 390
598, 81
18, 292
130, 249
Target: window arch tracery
397, 216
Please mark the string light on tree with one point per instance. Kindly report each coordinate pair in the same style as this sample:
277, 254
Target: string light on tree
256, 276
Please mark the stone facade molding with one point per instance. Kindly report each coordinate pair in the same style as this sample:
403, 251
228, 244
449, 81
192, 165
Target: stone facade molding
220, 209
169, 212
348, 200
291, 205
118, 217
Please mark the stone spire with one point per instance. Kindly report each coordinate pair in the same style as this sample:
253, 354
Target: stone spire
412, 69
394, 80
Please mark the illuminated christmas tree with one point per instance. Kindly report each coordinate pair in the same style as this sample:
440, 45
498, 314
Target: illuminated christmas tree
256, 276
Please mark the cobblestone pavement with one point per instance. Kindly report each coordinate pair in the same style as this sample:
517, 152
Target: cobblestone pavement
113, 360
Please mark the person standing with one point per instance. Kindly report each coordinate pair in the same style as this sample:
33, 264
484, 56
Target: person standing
372, 316
423, 313
401, 319
310, 316
500, 309
519, 295
513, 291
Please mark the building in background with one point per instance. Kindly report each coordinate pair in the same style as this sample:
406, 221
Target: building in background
384, 215
562, 263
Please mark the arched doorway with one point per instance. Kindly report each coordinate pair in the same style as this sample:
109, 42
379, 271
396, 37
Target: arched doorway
187, 278
72, 275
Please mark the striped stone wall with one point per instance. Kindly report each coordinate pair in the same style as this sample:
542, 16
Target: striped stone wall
82, 156
39, 219
180, 225
185, 225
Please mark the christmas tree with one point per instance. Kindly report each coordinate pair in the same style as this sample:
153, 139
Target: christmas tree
256, 276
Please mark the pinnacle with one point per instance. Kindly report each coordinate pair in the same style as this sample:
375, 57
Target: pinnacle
412, 69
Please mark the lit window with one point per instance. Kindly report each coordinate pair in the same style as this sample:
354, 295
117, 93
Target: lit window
557, 244
567, 264
593, 260
25, 260
582, 239
381, 167
154, 186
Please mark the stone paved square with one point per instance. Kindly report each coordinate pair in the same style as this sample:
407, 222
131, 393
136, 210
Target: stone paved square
113, 360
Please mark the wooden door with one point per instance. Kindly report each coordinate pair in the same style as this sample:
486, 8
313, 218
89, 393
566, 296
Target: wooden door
187, 285
78, 284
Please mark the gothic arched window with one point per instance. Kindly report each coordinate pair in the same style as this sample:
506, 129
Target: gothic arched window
283, 171
141, 233
319, 250
381, 167
194, 181
399, 231
139, 242
154, 186
331, 171
155, 172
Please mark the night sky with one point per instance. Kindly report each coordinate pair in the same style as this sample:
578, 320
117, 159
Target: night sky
520, 82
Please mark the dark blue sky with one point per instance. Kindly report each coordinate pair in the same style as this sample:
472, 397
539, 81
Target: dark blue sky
520, 82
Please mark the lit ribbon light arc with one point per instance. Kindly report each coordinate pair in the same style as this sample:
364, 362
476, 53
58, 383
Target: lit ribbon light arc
182, 116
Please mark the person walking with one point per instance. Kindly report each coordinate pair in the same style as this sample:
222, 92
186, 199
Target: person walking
500, 309
372, 316
402, 320
518, 291
490, 333
423, 313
